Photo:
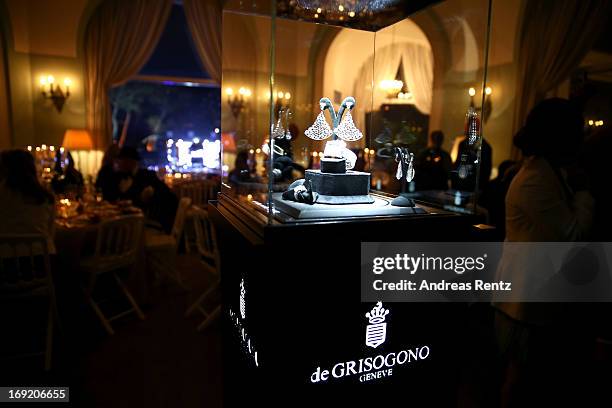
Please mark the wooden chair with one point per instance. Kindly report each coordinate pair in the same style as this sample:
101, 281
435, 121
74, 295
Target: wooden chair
117, 247
208, 249
25, 273
162, 248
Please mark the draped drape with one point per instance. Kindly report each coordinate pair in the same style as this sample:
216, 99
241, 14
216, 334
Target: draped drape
417, 62
555, 37
418, 73
119, 40
5, 120
204, 21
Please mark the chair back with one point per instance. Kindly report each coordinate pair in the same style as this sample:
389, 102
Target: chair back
199, 191
206, 238
179, 219
119, 239
24, 263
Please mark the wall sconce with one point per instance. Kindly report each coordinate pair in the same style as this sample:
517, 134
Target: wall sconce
237, 102
487, 107
53, 91
282, 99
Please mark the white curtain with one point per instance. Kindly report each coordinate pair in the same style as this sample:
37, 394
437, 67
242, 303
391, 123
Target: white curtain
418, 73
417, 61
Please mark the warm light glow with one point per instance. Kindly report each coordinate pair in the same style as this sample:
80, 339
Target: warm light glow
258, 150
77, 139
229, 91
366, 150
404, 95
250, 197
351, 14
29, 148
488, 90
391, 86
591, 122
319, 10
67, 81
315, 154
50, 79
280, 95
37, 149
287, 95
52, 148
43, 146
43, 81
316, 15
252, 151
341, 7
472, 91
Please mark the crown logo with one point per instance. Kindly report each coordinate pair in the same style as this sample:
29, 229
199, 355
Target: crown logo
376, 331
377, 314
242, 302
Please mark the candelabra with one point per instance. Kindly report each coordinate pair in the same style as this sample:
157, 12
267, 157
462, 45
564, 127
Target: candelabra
237, 102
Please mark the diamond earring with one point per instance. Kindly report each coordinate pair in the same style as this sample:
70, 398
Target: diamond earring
347, 130
399, 158
320, 129
410, 171
277, 131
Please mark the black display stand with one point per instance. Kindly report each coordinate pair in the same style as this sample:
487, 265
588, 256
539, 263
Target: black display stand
298, 285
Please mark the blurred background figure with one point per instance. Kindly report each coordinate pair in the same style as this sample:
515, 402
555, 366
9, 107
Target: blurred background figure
547, 201
68, 180
433, 164
107, 179
596, 163
143, 188
493, 197
26, 206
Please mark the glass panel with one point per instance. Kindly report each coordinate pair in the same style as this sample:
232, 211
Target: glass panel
429, 73
406, 78
245, 113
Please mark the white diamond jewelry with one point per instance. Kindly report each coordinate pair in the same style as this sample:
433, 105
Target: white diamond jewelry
278, 132
347, 130
410, 171
320, 129
399, 158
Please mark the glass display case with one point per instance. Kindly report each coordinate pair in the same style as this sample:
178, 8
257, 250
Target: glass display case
350, 108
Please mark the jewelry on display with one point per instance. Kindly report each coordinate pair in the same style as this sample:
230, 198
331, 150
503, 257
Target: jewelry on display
301, 191
320, 129
399, 158
347, 130
343, 128
472, 126
410, 171
288, 135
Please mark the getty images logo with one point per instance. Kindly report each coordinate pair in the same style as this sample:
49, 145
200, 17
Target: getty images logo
376, 331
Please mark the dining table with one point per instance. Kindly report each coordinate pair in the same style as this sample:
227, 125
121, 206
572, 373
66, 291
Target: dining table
77, 224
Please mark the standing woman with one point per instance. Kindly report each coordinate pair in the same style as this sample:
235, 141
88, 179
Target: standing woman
26, 206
